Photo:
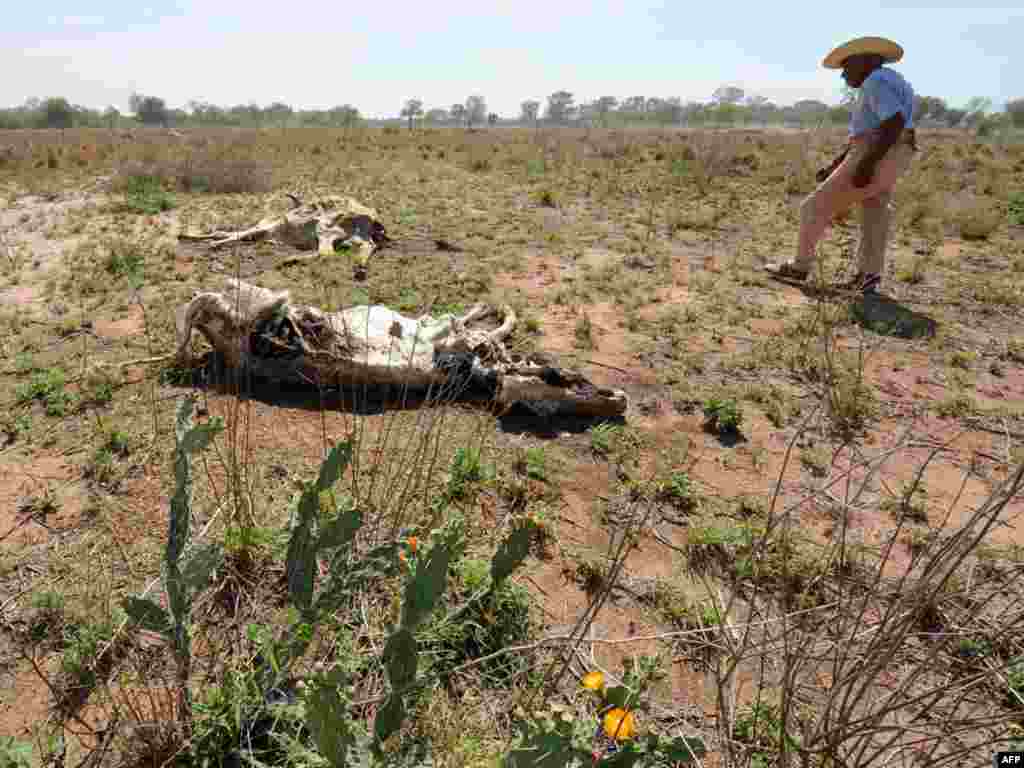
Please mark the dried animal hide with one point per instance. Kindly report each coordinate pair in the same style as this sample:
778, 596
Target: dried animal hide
327, 225
372, 345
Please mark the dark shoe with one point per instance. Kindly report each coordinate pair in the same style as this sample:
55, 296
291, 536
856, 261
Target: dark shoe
863, 282
787, 271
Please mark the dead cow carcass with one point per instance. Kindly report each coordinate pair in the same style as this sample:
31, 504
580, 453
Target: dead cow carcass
326, 225
371, 345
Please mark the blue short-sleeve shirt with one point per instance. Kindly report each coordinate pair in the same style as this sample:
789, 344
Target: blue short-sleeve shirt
884, 93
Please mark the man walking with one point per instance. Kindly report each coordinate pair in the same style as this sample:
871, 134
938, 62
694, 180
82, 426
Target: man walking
882, 144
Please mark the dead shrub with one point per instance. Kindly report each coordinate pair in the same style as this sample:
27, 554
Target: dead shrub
200, 172
975, 218
224, 175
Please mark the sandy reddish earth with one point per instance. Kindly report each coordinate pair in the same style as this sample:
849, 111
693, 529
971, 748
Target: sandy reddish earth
903, 375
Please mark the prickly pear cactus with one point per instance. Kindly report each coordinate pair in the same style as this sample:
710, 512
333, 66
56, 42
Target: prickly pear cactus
300, 565
511, 553
423, 590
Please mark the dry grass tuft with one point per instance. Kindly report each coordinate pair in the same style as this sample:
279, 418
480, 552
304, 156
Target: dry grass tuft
974, 217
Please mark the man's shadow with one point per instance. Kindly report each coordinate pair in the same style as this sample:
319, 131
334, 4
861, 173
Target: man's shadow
876, 312
887, 317
541, 419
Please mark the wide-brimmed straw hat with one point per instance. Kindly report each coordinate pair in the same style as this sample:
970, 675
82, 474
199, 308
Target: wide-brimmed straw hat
889, 50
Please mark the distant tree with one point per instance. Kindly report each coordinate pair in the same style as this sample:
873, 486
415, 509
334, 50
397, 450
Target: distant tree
839, 115
954, 117
664, 111
586, 113
344, 116
810, 111
176, 116
693, 113
673, 110
727, 113
634, 105
529, 111
279, 113
458, 113
810, 107
436, 115
1015, 109
758, 106
991, 123
560, 107
149, 110
111, 115
929, 108
976, 108
413, 108
728, 94
492, 118
476, 110
57, 113
604, 106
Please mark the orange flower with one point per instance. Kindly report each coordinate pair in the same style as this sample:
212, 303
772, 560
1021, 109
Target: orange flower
593, 681
402, 557
620, 725
413, 544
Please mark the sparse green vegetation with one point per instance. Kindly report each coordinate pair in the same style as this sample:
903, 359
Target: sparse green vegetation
723, 416
391, 605
1015, 208
146, 195
48, 387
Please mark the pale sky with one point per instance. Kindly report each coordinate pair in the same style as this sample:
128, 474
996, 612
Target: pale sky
375, 55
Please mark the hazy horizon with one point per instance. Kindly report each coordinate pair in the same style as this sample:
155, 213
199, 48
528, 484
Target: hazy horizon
317, 56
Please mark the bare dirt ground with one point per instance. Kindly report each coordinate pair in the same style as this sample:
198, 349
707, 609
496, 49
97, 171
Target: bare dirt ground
634, 258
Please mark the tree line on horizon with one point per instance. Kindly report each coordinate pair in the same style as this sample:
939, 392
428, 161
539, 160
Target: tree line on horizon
729, 105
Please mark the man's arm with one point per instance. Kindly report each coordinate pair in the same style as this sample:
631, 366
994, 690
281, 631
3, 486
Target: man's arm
889, 132
827, 171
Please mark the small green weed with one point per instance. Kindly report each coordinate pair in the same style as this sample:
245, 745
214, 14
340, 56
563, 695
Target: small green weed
969, 648
816, 461
912, 504
49, 617
535, 463
602, 437
761, 726
1015, 208
499, 620
962, 360
1015, 681
710, 615
99, 391
584, 332
124, 259
14, 753
956, 406
48, 387
723, 417
467, 469
15, 426
679, 490
82, 652
549, 198
146, 195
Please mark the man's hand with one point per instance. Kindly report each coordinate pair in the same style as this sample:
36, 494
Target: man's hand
888, 135
862, 176
824, 173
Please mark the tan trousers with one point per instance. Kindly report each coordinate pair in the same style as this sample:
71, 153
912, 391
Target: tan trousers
837, 194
